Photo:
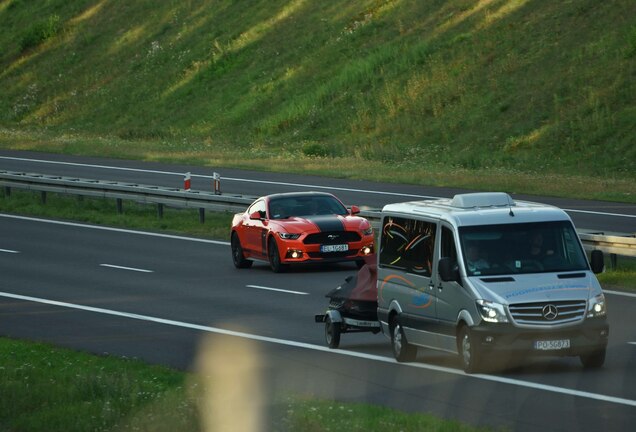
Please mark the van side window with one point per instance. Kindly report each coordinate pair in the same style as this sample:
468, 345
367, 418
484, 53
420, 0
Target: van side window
448, 249
407, 244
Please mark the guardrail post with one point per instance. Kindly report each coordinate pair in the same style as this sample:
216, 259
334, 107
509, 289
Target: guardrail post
160, 211
613, 261
120, 206
202, 215
43, 197
7, 191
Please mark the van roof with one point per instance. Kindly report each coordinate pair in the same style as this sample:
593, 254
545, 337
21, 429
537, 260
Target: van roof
483, 208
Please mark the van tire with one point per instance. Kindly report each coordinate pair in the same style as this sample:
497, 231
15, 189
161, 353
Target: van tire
402, 349
593, 360
470, 353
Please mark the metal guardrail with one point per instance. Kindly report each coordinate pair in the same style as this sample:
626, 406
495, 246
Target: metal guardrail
173, 197
612, 244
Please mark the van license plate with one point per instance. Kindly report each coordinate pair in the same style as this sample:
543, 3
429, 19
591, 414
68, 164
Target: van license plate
334, 248
552, 344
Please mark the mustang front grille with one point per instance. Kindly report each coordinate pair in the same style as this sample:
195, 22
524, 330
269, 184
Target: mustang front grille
334, 237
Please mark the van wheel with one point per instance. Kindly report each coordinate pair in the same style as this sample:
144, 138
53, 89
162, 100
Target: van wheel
332, 333
593, 360
237, 253
402, 349
469, 351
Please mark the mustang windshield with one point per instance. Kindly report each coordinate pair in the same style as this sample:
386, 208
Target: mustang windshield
283, 208
521, 248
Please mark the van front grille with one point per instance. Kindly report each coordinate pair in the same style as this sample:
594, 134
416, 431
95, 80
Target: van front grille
548, 313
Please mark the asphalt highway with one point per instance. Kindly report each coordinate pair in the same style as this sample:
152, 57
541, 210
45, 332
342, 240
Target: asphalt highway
161, 298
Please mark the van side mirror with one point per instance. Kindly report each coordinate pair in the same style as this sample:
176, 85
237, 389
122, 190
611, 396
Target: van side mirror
448, 269
597, 261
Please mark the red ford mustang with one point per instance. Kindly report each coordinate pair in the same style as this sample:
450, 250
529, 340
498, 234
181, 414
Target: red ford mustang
299, 227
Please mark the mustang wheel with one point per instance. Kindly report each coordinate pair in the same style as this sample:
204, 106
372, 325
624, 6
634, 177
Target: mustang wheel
237, 253
274, 257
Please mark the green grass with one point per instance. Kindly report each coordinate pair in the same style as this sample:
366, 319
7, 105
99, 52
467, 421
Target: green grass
521, 96
46, 388
102, 211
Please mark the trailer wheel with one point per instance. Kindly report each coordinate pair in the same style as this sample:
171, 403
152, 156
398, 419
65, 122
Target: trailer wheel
332, 333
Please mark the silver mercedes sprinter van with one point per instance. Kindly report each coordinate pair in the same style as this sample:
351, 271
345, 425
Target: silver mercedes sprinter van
480, 275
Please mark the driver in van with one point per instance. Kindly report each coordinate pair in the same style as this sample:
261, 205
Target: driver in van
538, 250
475, 259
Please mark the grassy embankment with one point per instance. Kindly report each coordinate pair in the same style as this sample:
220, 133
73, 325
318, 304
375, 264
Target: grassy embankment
520, 96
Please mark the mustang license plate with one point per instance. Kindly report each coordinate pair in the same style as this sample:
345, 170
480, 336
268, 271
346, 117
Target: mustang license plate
334, 248
552, 344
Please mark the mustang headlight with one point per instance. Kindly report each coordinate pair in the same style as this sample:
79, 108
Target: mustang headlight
288, 236
368, 231
596, 307
492, 312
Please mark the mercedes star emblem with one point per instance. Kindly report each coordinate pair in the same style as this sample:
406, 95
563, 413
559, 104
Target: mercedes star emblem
550, 312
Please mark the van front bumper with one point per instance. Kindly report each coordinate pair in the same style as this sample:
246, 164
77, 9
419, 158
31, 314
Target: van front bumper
589, 336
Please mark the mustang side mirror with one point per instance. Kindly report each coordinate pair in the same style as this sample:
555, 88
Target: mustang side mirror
355, 210
256, 215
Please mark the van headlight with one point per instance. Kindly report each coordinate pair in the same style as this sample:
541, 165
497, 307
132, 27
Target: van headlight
492, 312
596, 307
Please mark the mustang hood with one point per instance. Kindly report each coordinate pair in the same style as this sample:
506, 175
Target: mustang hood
324, 223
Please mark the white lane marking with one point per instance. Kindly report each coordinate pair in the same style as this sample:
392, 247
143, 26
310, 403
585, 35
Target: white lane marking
9, 251
374, 192
620, 293
276, 289
126, 268
631, 343
510, 381
174, 237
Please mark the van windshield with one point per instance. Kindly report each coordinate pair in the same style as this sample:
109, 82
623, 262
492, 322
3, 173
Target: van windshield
521, 248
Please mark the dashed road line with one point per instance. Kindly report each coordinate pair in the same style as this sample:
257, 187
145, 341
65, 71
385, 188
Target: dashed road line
276, 289
118, 267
